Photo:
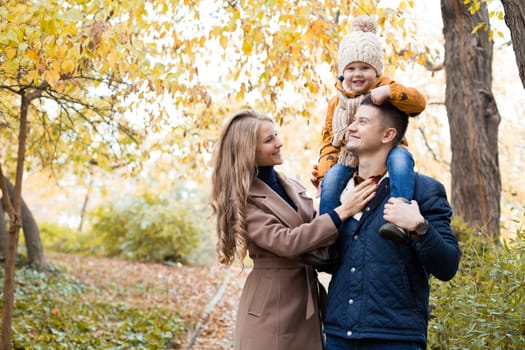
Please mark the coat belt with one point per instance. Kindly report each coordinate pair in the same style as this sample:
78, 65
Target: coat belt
283, 263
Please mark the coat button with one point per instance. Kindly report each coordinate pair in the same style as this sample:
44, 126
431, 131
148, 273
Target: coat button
356, 237
349, 333
352, 269
351, 301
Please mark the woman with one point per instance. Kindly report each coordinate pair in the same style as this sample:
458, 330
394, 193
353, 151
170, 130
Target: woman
268, 215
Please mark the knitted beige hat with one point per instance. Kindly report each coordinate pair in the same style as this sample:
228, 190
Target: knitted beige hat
361, 44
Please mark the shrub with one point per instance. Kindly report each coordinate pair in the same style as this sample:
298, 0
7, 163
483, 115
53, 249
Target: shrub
483, 306
146, 228
58, 238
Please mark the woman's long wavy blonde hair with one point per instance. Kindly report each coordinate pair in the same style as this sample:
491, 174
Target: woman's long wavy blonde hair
233, 172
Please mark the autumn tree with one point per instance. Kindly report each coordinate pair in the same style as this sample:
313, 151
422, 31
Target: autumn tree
68, 73
515, 19
275, 47
473, 116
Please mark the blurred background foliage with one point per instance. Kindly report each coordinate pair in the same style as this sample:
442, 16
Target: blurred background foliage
145, 227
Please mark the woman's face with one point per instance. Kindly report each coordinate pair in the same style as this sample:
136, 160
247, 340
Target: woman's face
268, 149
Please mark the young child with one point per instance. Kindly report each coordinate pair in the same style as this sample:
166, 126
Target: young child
360, 69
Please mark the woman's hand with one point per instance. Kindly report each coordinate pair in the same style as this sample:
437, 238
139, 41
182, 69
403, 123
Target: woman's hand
356, 198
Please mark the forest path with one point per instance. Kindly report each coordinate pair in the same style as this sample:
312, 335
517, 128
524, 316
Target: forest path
206, 297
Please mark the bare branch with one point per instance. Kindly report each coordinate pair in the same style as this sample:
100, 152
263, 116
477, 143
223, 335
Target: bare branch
430, 149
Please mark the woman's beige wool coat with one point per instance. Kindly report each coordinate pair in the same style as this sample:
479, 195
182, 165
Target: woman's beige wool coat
279, 308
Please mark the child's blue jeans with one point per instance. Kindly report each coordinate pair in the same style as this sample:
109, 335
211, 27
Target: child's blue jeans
400, 165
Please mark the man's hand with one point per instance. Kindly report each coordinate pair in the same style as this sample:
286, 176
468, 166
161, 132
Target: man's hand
402, 213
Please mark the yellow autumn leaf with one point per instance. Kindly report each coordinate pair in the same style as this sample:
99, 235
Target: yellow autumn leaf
259, 36
477, 27
33, 76
475, 7
68, 66
241, 93
216, 31
236, 16
11, 66
223, 41
247, 47
55, 66
10, 53
59, 86
51, 77
33, 55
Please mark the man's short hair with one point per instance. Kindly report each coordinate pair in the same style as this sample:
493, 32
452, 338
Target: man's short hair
392, 117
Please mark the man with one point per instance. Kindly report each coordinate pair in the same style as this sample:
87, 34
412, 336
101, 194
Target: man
378, 296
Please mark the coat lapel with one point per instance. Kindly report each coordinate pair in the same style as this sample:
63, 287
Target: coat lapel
265, 197
298, 195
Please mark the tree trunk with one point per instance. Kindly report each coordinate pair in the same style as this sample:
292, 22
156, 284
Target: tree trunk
86, 200
473, 118
35, 252
14, 208
4, 235
515, 19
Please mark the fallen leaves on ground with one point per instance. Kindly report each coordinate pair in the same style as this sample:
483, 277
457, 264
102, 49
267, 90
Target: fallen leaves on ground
186, 289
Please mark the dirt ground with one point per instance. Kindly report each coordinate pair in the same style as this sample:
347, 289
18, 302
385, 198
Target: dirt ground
205, 297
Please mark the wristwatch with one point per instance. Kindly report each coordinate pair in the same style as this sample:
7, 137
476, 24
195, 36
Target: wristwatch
421, 228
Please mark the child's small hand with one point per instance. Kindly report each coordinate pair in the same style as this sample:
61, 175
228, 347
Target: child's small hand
315, 179
380, 94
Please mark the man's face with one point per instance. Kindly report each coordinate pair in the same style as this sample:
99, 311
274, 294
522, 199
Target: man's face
365, 133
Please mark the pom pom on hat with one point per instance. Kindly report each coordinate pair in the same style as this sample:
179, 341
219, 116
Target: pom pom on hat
361, 44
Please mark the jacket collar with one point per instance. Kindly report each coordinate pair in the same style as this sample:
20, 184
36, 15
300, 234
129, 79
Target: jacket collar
264, 196
382, 192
